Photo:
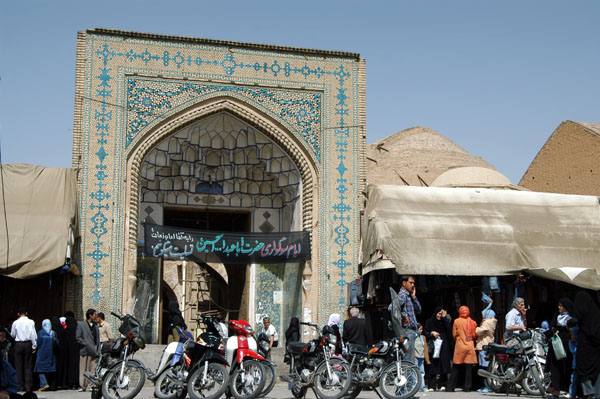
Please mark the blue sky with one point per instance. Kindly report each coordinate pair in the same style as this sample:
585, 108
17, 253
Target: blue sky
496, 77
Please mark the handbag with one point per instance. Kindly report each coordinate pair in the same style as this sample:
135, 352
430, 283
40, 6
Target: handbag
557, 346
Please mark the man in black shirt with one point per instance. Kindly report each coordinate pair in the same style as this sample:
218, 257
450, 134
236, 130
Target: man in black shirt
355, 329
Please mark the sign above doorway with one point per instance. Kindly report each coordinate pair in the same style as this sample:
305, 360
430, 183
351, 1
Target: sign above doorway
228, 248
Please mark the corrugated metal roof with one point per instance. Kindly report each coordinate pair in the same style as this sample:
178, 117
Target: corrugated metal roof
224, 43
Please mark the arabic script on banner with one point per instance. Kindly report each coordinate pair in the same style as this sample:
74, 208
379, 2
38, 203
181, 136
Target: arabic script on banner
242, 248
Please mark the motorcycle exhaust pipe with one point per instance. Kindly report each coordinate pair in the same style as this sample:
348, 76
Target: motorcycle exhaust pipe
485, 373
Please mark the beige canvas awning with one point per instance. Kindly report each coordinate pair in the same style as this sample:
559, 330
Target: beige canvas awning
41, 216
471, 231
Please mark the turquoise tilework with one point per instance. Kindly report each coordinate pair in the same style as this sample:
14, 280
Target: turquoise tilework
126, 89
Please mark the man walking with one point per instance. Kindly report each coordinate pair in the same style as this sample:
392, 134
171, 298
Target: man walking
410, 308
355, 329
88, 338
23, 331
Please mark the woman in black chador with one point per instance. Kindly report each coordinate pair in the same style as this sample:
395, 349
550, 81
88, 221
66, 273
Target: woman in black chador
70, 371
560, 370
438, 326
175, 320
587, 360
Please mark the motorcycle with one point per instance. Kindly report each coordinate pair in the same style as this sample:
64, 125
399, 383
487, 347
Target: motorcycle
515, 363
382, 366
248, 375
117, 375
313, 366
204, 369
264, 347
6, 341
170, 367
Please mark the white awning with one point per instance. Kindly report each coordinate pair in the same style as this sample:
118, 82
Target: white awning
472, 231
41, 217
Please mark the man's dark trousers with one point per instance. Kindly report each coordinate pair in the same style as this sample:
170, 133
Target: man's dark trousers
23, 365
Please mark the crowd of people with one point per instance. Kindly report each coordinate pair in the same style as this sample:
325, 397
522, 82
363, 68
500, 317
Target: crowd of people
444, 349
58, 354
64, 349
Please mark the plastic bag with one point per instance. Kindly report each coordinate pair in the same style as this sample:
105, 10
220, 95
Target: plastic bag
437, 347
559, 349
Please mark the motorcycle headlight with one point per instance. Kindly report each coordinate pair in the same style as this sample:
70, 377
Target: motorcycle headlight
332, 338
139, 341
405, 345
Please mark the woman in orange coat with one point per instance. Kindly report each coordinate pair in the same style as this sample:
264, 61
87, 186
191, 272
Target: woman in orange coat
464, 350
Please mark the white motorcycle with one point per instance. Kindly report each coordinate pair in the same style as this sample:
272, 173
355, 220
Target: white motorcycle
166, 379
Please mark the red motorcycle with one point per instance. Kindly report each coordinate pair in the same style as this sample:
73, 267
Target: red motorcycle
248, 375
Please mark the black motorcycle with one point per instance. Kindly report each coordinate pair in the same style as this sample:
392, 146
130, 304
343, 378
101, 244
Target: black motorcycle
118, 376
382, 367
517, 362
264, 347
204, 368
312, 365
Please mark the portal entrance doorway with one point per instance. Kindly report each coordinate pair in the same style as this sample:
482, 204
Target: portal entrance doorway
211, 287
221, 173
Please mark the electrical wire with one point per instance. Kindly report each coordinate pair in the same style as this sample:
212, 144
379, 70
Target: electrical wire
4, 207
5, 272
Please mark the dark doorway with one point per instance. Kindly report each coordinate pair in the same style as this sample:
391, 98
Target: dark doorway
217, 220
213, 220
42, 296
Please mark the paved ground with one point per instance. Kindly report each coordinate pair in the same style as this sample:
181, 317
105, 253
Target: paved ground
280, 391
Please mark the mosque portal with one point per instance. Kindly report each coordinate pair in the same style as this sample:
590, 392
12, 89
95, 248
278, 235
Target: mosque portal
230, 140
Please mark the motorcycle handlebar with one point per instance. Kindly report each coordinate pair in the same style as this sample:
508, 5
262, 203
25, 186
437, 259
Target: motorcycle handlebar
118, 316
306, 323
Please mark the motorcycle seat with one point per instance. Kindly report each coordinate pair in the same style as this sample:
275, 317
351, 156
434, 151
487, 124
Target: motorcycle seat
498, 348
358, 348
106, 347
295, 346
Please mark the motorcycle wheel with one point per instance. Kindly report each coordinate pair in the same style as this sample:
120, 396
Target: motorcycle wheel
298, 391
96, 393
496, 368
406, 386
536, 374
132, 383
353, 392
270, 379
217, 380
249, 382
164, 387
336, 386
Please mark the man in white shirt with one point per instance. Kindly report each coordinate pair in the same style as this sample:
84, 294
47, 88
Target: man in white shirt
23, 331
515, 319
271, 332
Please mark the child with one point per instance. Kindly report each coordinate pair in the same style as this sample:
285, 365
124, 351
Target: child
574, 376
421, 353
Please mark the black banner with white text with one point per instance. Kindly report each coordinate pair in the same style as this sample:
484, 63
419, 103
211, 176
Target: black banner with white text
241, 248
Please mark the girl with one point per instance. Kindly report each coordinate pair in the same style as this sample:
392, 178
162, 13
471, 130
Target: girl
421, 353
